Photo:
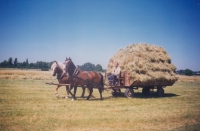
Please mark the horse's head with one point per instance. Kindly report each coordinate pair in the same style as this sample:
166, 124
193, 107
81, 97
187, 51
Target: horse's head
54, 67
70, 67
68, 61
57, 68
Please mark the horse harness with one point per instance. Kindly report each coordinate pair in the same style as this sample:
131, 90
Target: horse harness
75, 75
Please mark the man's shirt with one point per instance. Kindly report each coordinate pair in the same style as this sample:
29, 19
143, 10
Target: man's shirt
116, 71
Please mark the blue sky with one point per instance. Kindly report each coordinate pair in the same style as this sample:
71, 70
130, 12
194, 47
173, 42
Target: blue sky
93, 30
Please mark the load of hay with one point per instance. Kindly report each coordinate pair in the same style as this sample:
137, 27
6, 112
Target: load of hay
146, 64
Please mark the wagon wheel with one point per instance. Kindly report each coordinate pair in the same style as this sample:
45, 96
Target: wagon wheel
146, 90
129, 93
160, 91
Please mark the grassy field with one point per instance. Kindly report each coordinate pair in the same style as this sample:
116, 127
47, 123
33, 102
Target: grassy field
27, 103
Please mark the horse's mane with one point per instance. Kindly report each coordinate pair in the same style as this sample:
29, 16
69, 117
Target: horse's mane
60, 64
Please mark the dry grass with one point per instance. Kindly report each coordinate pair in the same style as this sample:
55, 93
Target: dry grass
29, 104
25, 74
146, 63
189, 79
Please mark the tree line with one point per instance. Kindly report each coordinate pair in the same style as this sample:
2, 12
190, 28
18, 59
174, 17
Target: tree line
187, 72
44, 66
10, 63
91, 67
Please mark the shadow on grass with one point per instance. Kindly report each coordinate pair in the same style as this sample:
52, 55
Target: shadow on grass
136, 95
151, 95
195, 127
95, 99
85, 98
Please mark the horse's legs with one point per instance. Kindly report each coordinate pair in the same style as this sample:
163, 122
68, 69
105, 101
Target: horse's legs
83, 93
67, 92
100, 92
88, 90
56, 91
75, 88
71, 86
91, 90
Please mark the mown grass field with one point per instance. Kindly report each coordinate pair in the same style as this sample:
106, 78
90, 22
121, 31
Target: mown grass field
28, 104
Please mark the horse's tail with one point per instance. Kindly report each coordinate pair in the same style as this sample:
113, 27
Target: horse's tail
101, 81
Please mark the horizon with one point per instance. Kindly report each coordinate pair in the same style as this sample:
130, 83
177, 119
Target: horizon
93, 31
85, 63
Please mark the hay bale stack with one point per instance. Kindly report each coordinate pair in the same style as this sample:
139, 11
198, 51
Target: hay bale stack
146, 63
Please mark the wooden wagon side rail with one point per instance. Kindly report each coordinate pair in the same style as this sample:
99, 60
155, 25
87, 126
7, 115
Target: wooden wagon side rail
107, 87
51, 83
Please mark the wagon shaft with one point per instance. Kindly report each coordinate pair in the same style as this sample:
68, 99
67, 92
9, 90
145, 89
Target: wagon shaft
51, 83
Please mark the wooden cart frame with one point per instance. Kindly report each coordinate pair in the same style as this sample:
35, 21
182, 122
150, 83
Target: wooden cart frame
124, 82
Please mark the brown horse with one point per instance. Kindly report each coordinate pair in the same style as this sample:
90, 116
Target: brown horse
57, 68
89, 78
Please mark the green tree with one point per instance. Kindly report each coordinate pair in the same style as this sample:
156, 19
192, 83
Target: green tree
15, 63
42, 65
10, 62
98, 67
27, 63
31, 66
23, 65
4, 64
38, 65
88, 67
188, 72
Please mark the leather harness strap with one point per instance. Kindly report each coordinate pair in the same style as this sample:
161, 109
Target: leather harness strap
87, 81
76, 71
86, 76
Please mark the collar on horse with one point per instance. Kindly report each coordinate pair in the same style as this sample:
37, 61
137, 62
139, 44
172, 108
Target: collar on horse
75, 73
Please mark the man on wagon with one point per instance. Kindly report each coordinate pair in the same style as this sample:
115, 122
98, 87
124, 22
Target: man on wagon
114, 74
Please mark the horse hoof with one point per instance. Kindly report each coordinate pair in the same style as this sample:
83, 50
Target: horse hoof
72, 99
57, 95
66, 97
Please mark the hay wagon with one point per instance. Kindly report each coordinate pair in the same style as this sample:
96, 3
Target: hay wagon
124, 82
143, 65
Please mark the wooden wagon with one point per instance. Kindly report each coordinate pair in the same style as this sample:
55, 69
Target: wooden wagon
124, 82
